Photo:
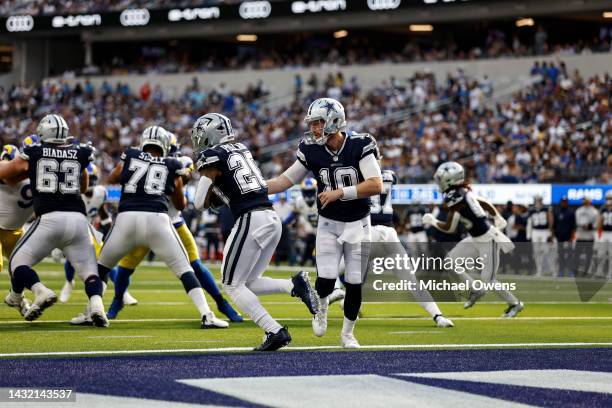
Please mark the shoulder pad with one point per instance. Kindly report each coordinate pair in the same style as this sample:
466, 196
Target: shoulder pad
454, 197
207, 158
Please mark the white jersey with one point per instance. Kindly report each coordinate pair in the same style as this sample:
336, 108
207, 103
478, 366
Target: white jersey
309, 215
174, 214
93, 203
15, 205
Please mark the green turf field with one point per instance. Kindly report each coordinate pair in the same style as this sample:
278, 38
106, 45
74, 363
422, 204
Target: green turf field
166, 320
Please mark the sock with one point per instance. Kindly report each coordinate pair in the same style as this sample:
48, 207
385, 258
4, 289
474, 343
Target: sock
507, 296
103, 272
207, 280
267, 286
122, 281
94, 286
248, 302
37, 288
23, 277
198, 299
324, 304
113, 274
352, 301
69, 271
324, 286
348, 325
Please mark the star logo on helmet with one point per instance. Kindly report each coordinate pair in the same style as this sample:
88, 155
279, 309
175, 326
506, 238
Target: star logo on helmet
330, 107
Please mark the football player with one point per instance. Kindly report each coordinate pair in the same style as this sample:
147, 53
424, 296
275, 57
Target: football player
308, 216
148, 181
129, 263
228, 174
15, 210
57, 172
603, 253
466, 208
347, 171
417, 236
540, 230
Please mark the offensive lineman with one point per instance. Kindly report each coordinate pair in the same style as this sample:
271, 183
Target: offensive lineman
229, 174
57, 172
463, 206
147, 179
347, 172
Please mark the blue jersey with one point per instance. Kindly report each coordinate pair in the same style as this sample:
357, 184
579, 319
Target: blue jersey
381, 209
240, 185
473, 216
147, 181
334, 170
55, 176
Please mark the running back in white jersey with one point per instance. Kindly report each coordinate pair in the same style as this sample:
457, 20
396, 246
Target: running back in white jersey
16, 205
93, 203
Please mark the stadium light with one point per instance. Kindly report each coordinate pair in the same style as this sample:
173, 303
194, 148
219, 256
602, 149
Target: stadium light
607, 14
340, 34
246, 37
525, 22
421, 28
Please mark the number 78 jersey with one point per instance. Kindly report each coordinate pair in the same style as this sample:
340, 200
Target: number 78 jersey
241, 185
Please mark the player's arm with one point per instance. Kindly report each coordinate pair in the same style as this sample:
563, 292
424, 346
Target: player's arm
204, 190
115, 174
292, 176
84, 181
178, 195
490, 208
448, 227
13, 169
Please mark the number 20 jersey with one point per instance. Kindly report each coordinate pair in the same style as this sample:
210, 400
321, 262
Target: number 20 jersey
55, 175
147, 181
334, 171
241, 185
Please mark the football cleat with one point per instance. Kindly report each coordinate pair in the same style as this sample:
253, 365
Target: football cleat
443, 322
319, 323
513, 310
97, 313
18, 302
473, 298
304, 290
115, 308
336, 295
274, 341
82, 319
66, 291
227, 309
349, 341
209, 321
43, 300
129, 300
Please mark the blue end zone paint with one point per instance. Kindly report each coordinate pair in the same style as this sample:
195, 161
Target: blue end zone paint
154, 377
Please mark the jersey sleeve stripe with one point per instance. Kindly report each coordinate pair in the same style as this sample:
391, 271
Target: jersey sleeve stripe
301, 157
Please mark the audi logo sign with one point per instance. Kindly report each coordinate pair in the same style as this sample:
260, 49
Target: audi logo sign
376, 5
207, 13
84, 20
134, 17
255, 9
300, 7
16, 24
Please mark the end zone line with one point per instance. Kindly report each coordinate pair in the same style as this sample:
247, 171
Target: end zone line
300, 348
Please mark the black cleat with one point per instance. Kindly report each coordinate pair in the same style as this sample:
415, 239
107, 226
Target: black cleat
304, 290
274, 341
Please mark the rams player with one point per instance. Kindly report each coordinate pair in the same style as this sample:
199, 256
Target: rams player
129, 263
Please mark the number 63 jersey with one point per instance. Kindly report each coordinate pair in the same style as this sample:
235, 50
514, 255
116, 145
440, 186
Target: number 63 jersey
335, 170
241, 185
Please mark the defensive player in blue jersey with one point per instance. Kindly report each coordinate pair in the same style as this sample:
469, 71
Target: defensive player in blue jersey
347, 171
57, 171
229, 175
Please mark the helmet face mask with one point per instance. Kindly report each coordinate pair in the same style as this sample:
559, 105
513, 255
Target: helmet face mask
331, 113
449, 174
156, 136
53, 129
211, 130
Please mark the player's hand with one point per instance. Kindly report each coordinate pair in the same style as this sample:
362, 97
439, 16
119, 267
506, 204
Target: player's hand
328, 197
429, 219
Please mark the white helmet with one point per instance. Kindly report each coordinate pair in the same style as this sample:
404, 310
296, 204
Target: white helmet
331, 112
53, 129
158, 136
211, 130
449, 174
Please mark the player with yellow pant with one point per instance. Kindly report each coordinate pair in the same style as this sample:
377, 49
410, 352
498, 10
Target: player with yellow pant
130, 262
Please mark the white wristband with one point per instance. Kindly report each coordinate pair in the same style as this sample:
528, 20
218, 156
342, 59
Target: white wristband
349, 193
106, 221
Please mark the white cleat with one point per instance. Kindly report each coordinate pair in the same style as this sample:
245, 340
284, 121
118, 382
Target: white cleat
474, 297
97, 313
513, 310
319, 323
210, 321
129, 300
18, 302
66, 291
44, 299
336, 295
349, 341
443, 322
82, 319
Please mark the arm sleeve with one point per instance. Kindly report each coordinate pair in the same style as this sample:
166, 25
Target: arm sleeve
296, 172
369, 167
301, 157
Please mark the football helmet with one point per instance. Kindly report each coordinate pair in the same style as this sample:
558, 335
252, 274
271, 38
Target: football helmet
158, 136
92, 170
174, 145
8, 152
448, 175
211, 130
53, 129
309, 190
331, 112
